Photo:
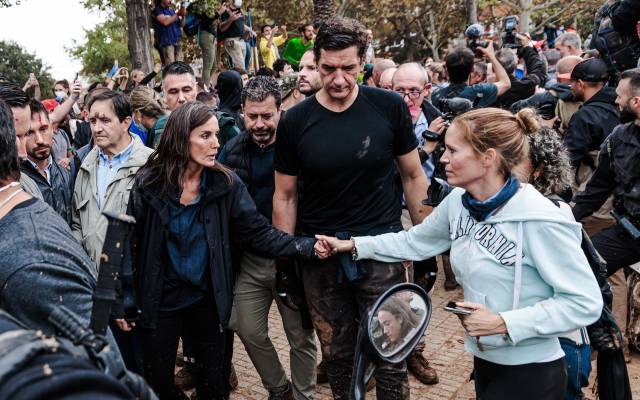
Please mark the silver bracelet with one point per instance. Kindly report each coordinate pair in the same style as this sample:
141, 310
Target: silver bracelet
354, 250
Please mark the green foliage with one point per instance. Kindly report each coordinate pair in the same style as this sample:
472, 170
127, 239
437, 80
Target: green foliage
16, 64
104, 43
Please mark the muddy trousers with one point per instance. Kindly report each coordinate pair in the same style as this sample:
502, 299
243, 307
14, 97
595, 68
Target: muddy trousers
337, 307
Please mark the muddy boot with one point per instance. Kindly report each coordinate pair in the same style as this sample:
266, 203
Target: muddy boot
449, 278
185, 378
283, 393
419, 367
321, 374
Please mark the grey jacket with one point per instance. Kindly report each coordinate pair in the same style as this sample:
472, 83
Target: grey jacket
42, 266
30, 186
88, 225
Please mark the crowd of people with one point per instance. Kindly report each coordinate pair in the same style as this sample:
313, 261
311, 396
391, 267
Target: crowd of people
303, 182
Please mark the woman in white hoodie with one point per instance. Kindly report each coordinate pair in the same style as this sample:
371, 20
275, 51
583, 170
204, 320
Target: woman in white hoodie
515, 253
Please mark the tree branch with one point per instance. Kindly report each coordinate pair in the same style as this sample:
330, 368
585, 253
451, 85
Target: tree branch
556, 15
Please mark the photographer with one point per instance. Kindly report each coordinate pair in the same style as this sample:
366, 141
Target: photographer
617, 174
536, 71
459, 64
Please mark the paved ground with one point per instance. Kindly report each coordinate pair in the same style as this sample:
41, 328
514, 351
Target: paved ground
444, 350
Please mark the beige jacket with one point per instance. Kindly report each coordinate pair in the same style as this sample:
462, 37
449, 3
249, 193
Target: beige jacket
88, 224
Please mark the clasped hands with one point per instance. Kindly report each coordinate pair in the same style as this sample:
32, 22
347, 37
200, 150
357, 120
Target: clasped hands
327, 246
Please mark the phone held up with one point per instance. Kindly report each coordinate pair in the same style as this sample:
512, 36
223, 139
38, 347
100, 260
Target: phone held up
454, 308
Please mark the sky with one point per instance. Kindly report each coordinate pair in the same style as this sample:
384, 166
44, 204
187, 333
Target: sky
45, 28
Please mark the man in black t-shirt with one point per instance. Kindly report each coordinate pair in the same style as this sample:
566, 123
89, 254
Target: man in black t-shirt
344, 143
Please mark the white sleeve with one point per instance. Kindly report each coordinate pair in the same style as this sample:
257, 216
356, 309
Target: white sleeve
425, 240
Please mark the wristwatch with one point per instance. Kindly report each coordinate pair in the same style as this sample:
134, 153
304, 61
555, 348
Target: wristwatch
430, 136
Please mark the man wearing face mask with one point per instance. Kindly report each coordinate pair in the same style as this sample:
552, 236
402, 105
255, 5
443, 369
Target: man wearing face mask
250, 155
233, 29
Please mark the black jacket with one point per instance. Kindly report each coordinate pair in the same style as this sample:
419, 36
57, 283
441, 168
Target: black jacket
430, 111
57, 193
618, 173
545, 103
590, 125
232, 223
625, 16
525, 87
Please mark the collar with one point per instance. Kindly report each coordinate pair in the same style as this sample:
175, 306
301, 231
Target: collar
123, 155
48, 167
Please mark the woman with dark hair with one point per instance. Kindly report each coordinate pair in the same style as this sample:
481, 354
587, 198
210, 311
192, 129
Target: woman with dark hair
229, 89
191, 212
396, 320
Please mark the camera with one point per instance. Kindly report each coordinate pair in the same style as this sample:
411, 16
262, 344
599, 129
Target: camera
509, 37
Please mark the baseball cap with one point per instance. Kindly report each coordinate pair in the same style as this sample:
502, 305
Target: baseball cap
474, 30
591, 70
289, 82
50, 104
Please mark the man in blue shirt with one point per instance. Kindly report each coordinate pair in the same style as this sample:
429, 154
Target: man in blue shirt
459, 65
167, 26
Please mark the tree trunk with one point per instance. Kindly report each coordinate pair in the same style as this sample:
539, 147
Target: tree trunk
139, 34
526, 9
472, 11
323, 10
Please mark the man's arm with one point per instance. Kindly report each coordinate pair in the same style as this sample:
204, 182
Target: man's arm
285, 202
598, 189
536, 70
414, 184
65, 108
503, 83
166, 20
226, 24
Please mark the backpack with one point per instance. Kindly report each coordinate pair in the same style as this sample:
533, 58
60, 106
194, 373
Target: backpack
191, 23
228, 127
620, 51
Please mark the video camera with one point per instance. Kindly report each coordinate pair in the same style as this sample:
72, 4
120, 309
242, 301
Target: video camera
509, 36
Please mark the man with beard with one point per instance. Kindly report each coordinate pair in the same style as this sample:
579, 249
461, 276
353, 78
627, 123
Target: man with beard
618, 174
52, 179
251, 154
308, 78
18, 102
594, 121
296, 47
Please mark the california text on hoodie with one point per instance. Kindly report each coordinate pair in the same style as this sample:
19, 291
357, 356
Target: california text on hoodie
557, 293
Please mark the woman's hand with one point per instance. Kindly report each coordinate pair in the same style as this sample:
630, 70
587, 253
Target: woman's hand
481, 322
124, 325
336, 245
321, 249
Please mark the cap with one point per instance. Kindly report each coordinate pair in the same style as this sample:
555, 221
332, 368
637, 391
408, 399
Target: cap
474, 30
289, 82
50, 104
591, 70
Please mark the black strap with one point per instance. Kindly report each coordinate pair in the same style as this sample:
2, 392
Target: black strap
111, 259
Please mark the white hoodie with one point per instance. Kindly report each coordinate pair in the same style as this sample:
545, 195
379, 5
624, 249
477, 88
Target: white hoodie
555, 293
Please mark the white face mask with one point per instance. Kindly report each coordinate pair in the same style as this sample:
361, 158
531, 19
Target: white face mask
60, 95
237, 3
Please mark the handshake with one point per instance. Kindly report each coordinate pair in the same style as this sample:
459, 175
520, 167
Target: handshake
327, 246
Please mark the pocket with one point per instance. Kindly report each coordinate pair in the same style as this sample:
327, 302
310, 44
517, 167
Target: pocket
487, 342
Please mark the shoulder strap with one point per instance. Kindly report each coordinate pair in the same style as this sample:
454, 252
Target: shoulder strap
517, 282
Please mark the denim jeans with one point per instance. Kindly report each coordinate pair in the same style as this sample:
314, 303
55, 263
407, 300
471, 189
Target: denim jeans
578, 358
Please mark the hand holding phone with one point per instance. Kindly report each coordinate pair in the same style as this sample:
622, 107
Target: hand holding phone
454, 308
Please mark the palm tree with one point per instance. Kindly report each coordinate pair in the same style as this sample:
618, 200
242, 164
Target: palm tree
323, 10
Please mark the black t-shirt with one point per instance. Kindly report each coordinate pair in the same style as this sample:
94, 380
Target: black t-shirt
236, 29
346, 161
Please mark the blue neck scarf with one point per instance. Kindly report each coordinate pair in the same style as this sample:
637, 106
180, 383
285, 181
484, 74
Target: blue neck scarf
480, 210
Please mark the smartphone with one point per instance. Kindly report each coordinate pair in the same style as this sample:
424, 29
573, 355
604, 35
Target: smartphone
452, 307
77, 75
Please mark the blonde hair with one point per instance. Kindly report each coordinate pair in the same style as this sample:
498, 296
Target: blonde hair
507, 133
144, 99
